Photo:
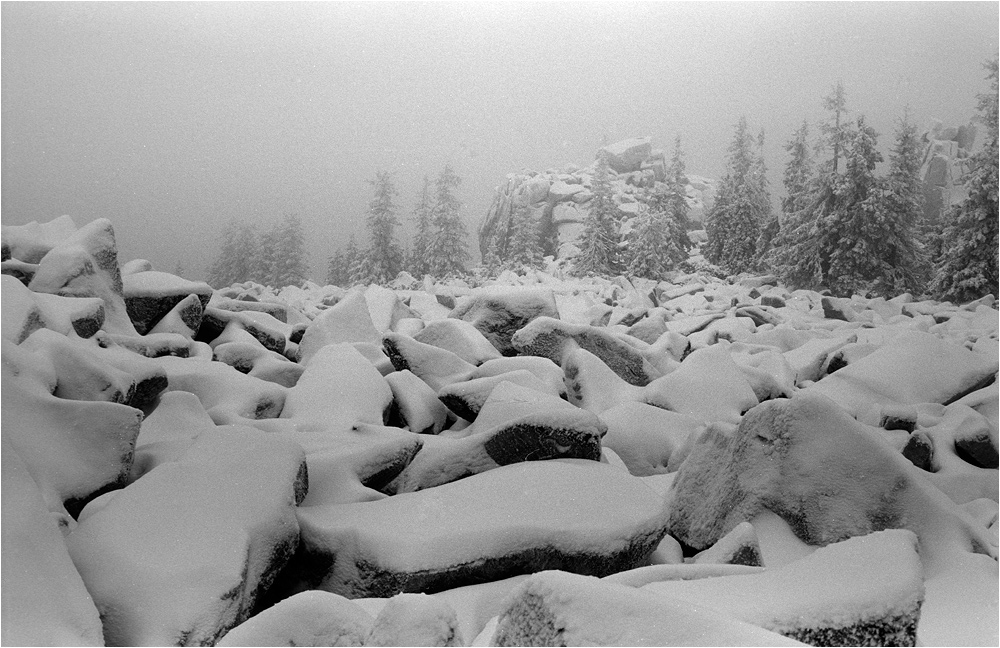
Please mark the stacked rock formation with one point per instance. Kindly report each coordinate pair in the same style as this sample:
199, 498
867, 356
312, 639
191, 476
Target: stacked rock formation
559, 199
946, 163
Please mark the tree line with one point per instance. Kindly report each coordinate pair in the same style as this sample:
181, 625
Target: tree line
841, 227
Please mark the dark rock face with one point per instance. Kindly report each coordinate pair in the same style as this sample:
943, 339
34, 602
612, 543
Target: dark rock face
979, 450
499, 314
527, 442
919, 449
549, 337
899, 630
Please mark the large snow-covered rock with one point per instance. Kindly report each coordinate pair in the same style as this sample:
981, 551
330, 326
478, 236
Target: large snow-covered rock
150, 295
828, 476
349, 320
313, 618
498, 312
45, 602
215, 525
24, 312
581, 516
554, 608
872, 590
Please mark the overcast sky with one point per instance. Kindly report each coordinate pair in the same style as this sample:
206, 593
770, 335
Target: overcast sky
173, 118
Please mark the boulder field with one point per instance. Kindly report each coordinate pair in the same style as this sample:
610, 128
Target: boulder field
536, 460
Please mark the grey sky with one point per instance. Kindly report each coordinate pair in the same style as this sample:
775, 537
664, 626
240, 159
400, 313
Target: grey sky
174, 118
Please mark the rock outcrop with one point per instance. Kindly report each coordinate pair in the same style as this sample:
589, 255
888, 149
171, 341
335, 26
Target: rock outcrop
945, 165
559, 199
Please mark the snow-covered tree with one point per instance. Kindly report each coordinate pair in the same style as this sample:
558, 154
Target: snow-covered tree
447, 251
422, 217
287, 259
676, 198
525, 247
653, 249
236, 262
835, 129
384, 259
968, 266
353, 263
734, 222
336, 274
798, 172
599, 242
767, 220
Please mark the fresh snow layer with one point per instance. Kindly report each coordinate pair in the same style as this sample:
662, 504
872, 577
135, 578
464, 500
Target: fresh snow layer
312, 618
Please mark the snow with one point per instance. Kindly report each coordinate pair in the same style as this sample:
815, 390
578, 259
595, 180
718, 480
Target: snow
556, 608
205, 490
312, 618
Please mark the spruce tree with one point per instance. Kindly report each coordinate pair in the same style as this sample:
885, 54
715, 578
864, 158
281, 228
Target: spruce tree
335, 274
676, 199
422, 214
794, 225
652, 248
447, 251
835, 129
734, 222
353, 263
265, 269
385, 258
968, 267
236, 262
768, 222
599, 243
525, 248
290, 265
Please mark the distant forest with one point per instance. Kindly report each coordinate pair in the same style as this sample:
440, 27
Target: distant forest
840, 226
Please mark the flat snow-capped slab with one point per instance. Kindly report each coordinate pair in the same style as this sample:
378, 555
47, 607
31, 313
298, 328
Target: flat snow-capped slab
911, 368
150, 295
576, 515
559, 609
870, 593
181, 555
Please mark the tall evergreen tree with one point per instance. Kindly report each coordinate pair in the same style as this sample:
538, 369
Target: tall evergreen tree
385, 258
422, 216
447, 252
525, 248
336, 274
735, 221
676, 199
653, 249
968, 268
236, 260
798, 172
768, 221
265, 267
599, 243
290, 267
795, 222
353, 263
835, 128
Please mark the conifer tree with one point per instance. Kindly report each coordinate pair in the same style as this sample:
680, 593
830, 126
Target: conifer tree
290, 259
236, 260
353, 263
794, 223
835, 128
652, 249
762, 198
599, 243
968, 267
422, 214
525, 248
265, 268
676, 199
335, 274
385, 258
735, 221
447, 252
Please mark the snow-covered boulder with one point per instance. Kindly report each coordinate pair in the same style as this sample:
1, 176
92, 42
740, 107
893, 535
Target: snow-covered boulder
312, 618
150, 295
582, 516
85, 264
738, 547
347, 321
828, 476
30, 242
554, 608
466, 398
460, 337
24, 312
216, 525
415, 405
45, 602
436, 366
183, 319
872, 590
499, 311
415, 620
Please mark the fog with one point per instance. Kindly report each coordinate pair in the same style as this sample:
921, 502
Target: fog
173, 118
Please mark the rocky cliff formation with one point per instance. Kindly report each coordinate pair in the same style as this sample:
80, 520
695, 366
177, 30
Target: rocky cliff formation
946, 163
559, 198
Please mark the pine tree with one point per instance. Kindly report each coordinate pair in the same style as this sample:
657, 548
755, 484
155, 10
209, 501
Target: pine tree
447, 252
735, 221
335, 274
676, 199
793, 225
653, 250
236, 260
599, 243
525, 248
835, 128
422, 215
385, 258
265, 267
353, 260
768, 222
290, 264
968, 269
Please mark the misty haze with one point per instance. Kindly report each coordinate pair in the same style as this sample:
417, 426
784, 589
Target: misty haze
404, 323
